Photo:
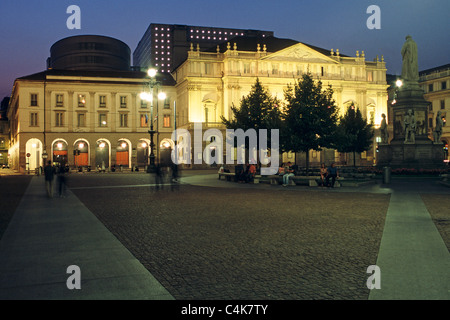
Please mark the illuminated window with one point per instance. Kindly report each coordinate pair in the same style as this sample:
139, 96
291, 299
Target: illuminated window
81, 100
166, 121
144, 120
102, 117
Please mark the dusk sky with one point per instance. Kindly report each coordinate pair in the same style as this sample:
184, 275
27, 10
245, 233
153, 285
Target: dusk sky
28, 28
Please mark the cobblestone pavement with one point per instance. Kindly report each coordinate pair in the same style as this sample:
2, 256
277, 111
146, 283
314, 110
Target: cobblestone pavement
12, 188
439, 209
259, 243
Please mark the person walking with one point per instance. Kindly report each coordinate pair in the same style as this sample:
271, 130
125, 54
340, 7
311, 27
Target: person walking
49, 172
62, 180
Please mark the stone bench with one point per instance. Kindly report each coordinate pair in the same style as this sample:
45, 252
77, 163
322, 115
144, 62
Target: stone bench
228, 176
312, 181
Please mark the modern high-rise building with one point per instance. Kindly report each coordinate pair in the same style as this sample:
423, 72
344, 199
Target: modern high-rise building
166, 46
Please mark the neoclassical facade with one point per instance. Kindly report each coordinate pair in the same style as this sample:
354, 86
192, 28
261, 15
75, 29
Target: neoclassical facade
435, 83
87, 118
209, 82
96, 118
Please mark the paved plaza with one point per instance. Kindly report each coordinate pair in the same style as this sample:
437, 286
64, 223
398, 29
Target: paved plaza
218, 240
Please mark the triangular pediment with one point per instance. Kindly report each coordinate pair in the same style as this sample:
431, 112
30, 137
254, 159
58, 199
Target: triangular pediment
301, 53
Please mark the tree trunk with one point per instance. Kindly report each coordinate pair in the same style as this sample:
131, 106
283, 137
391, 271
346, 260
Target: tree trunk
354, 158
307, 162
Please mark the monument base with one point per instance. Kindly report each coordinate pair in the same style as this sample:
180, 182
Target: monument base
418, 155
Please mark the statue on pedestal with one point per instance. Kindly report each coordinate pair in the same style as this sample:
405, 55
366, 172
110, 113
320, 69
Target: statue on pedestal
410, 67
437, 133
409, 125
384, 130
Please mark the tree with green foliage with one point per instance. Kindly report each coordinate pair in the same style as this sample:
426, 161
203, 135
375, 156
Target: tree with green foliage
354, 134
257, 110
310, 117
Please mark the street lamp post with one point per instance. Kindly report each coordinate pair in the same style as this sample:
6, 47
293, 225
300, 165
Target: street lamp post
149, 98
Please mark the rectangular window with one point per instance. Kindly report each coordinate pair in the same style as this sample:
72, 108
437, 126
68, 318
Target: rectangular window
33, 119
81, 100
143, 104
274, 68
430, 123
102, 101
59, 100
102, 120
369, 76
33, 99
81, 120
144, 120
246, 67
443, 85
167, 103
430, 87
166, 121
59, 117
442, 104
207, 68
123, 120
123, 102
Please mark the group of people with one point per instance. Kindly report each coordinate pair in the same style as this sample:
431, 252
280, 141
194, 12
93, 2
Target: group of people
60, 171
247, 175
326, 174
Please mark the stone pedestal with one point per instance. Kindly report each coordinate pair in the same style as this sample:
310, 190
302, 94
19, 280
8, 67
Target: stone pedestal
421, 153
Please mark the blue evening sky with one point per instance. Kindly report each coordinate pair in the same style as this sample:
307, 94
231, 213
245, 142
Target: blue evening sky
28, 28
